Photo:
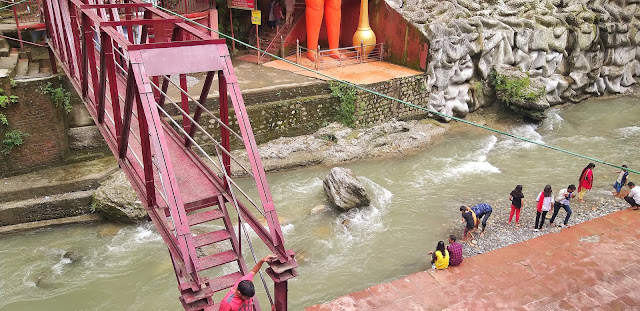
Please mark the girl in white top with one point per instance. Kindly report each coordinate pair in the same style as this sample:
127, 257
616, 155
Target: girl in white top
545, 202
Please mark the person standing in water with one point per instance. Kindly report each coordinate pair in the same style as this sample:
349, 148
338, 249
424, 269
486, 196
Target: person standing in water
517, 201
469, 217
585, 181
621, 181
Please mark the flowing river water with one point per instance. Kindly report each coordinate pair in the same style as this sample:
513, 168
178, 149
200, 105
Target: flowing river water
415, 202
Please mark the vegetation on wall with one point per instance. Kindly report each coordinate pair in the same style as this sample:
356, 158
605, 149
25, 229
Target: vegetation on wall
514, 90
347, 108
242, 27
11, 138
60, 97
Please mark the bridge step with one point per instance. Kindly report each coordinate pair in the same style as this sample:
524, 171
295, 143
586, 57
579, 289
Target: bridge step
217, 259
202, 305
203, 217
211, 237
225, 281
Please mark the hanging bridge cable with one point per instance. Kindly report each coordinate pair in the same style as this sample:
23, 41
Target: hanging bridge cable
10, 5
201, 128
197, 102
396, 99
216, 144
255, 259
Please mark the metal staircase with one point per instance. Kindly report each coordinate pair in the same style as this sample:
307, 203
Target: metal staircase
108, 51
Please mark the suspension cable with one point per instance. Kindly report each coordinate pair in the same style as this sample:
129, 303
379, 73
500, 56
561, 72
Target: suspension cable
396, 99
10, 5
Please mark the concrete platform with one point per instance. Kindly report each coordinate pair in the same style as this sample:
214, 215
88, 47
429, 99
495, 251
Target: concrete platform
56, 180
590, 266
358, 73
251, 77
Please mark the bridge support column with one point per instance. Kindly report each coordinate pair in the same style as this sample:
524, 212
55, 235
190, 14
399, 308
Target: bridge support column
280, 295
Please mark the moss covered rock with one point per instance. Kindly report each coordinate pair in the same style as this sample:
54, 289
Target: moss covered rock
116, 200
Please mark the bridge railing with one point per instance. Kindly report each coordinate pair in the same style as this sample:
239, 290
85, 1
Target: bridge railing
108, 52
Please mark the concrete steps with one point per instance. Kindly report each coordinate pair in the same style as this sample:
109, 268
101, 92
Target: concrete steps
8, 63
23, 67
50, 194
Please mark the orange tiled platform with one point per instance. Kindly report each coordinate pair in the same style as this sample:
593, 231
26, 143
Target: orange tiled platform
590, 266
356, 73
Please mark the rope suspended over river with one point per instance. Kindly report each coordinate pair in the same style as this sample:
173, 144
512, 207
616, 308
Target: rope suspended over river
10, 5
402, 101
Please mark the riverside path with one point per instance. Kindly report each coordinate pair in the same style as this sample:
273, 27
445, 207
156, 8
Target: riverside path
590, 266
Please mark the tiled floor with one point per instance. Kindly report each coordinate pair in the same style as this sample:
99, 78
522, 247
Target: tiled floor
590, 266
359, 74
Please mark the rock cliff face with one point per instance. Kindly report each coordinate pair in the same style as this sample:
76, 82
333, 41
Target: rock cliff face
573, 48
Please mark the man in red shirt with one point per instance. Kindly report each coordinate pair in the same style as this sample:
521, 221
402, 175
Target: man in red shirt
240, 296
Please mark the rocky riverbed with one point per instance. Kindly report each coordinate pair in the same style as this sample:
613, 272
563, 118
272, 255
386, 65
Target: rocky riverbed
335, 144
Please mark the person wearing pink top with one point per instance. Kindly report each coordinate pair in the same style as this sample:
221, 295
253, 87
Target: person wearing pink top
240, 296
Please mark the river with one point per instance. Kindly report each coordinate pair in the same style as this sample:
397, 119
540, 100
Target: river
415, 202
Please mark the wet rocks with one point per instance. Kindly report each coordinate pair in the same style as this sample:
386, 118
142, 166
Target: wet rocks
318, 210
336, 143
344, 190
72, 256
116, 200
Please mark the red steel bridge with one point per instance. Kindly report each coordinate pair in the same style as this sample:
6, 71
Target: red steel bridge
109, 52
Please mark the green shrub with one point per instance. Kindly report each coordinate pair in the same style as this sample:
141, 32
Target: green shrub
514, 90
60, 97
4, 103
11, 140
347, 108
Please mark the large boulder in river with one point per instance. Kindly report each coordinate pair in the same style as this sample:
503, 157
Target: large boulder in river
344, 190
116, 200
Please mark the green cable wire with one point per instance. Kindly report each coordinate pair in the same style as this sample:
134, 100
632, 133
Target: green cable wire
399, 100
10, 5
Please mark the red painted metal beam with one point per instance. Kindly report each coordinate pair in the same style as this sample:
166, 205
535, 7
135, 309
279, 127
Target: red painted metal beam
158, 45
135, 22
116, 6
224, 117
158, 152
202, 100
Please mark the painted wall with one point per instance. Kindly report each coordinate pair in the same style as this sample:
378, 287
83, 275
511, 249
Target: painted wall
404, 44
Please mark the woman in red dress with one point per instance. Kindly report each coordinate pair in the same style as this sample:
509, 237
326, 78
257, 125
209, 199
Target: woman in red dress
586, 181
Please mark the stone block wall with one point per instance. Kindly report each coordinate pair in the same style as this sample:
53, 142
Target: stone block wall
34, 114
372, 109
275, 119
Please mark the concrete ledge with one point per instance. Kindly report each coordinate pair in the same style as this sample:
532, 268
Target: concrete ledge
52, 222
48, 207
61, 179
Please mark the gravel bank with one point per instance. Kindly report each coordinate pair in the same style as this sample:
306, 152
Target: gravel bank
500, 234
